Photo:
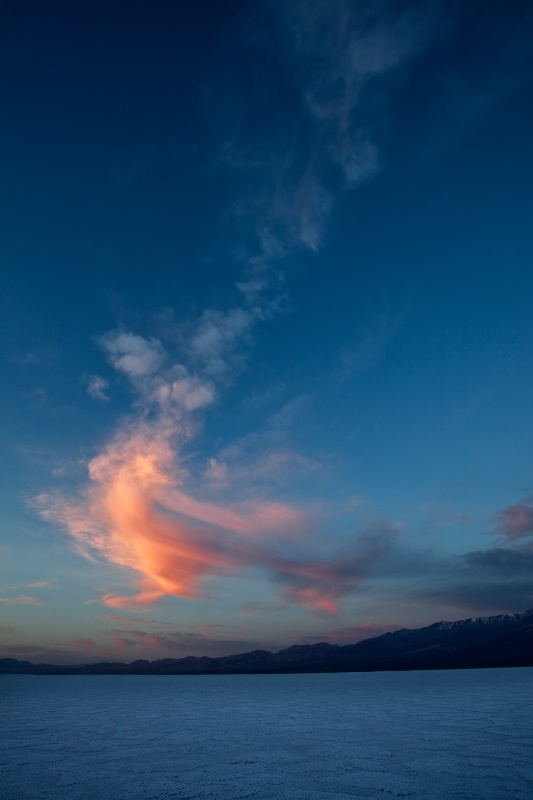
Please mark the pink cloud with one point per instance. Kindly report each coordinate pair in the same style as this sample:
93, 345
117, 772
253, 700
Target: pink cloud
178, 643
314, 597
244, 518
136, 514
84, 644
516, 521
121, 643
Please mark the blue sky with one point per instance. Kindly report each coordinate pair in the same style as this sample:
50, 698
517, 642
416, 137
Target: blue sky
266, 322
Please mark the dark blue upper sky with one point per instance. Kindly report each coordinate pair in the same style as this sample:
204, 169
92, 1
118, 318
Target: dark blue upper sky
266, 320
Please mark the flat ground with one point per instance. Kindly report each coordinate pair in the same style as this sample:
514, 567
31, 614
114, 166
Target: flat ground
424, 735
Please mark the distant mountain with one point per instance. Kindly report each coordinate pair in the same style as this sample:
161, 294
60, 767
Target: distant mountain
502, 641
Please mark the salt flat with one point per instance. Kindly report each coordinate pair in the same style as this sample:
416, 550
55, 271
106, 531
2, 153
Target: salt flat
464, 734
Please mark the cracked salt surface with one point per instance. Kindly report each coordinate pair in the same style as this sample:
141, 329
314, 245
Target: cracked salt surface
426, 735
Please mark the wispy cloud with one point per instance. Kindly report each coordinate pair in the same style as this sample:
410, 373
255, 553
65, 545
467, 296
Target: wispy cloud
97, 388
277, 465
368, 350
129, 620
133, 355
332, 55
24, 600
263, 455
217, 342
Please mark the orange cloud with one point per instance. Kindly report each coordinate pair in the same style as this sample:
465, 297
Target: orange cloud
135, 513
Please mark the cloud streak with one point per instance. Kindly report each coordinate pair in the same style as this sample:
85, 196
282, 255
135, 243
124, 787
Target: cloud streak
23, 600
332, 55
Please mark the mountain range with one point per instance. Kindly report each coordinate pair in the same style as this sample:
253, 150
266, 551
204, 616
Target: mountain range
505, 640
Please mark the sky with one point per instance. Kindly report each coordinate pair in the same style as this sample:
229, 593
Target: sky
266, 322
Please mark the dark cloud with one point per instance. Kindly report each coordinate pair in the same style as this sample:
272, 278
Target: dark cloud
494, 580
487, 597
502, 560
321, 583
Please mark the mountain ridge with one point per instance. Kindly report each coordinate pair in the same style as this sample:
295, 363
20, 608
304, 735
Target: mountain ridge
503, 640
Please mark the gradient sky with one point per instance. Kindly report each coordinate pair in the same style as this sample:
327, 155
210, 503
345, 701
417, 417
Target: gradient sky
267, 321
